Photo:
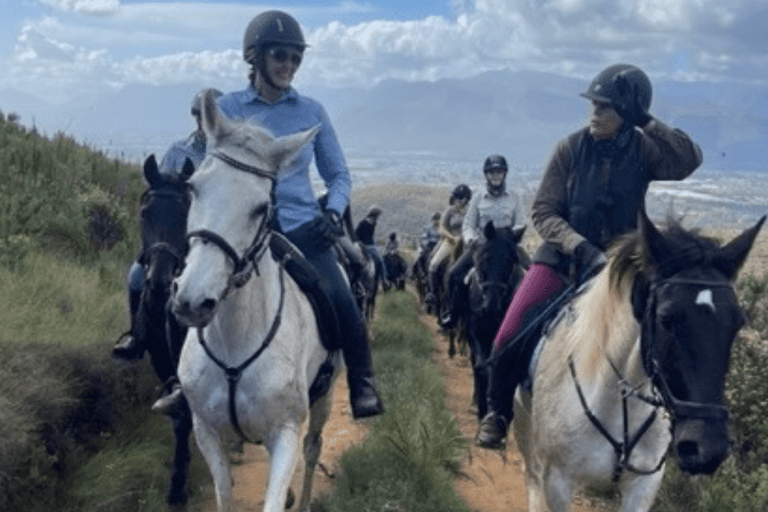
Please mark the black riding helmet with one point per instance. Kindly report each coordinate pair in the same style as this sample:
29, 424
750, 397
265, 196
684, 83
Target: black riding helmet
626, 87
491, 163
270, 28
460, 192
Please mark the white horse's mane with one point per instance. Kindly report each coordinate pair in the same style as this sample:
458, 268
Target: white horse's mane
604, 321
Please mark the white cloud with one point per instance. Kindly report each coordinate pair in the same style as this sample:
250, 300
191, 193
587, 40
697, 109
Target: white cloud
85, 6
172, 42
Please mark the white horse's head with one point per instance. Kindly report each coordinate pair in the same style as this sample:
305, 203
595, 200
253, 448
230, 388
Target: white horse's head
230, 207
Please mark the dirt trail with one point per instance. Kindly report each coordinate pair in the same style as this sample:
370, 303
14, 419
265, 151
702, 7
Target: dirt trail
494, 481
491, 482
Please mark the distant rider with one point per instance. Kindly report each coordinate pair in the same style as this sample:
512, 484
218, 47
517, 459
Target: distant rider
591, 192
365, 232
450, 235
496, 204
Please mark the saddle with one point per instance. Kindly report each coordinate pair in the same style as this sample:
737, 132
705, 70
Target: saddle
524, 350
308, 279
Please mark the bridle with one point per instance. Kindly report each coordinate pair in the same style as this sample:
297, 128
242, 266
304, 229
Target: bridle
662, 395
177, 254
243, 268
678, 408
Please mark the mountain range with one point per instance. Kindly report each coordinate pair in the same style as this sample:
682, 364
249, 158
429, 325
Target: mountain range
520, 114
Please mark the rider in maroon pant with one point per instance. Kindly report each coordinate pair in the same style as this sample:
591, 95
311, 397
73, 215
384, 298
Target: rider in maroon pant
591, 192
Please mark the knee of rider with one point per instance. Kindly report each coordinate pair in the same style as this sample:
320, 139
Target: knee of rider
135, 277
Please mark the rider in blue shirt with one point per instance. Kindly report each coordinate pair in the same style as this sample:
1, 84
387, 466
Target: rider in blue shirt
130, 347
274, 46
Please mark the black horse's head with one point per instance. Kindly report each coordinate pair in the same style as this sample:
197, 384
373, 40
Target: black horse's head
497, 269
163, 225
685, 300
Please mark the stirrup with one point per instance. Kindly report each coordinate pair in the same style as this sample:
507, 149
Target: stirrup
492, 433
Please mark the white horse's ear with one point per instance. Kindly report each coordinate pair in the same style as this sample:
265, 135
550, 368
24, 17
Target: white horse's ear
286, 148
215, 124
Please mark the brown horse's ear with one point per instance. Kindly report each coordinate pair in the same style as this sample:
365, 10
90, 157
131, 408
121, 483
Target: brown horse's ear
653, 241
731, 257
187, 170
151, 173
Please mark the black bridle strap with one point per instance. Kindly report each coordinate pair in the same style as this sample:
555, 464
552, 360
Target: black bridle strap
241, 166
622, 448
678, 408
234, 373
218, 241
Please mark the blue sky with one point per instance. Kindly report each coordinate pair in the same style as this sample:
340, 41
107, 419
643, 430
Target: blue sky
59, 49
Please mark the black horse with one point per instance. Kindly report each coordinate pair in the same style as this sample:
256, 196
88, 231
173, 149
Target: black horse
396, 269
163, 225
419, 271
496, 275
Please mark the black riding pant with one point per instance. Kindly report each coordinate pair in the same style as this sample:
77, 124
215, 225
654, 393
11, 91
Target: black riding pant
354, 342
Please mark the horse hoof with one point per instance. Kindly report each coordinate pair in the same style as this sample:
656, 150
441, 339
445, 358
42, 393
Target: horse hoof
290, 499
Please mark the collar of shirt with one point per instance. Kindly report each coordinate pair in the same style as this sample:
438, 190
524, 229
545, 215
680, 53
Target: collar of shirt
253, 96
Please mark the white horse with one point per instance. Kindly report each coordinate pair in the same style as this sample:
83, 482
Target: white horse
246, 314
634, 366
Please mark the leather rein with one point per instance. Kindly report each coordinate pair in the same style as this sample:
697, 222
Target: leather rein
663, 397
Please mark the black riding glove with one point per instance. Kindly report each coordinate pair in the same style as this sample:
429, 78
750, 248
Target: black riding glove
327, 229
629, 107
589, 259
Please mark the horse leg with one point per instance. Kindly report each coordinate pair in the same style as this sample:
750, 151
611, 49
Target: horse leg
283, 448
182, 428
313, 444
209, 442
639, 491
558, 489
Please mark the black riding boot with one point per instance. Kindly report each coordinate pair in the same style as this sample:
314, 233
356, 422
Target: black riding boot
504, 377
363, 398
129, 348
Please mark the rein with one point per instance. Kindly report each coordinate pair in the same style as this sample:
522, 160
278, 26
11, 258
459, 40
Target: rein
677, 408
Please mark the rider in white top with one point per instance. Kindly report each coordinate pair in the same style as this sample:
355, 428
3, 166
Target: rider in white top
494, 204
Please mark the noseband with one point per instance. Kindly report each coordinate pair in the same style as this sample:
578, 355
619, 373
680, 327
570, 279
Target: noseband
248, 263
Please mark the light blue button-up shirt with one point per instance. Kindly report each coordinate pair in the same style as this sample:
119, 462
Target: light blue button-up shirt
192, 147
296, 202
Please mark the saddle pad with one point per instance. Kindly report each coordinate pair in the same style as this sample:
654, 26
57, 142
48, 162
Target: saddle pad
308, 280
546, 324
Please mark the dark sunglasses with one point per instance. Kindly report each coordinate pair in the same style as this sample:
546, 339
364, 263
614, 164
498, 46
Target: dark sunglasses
282, 54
